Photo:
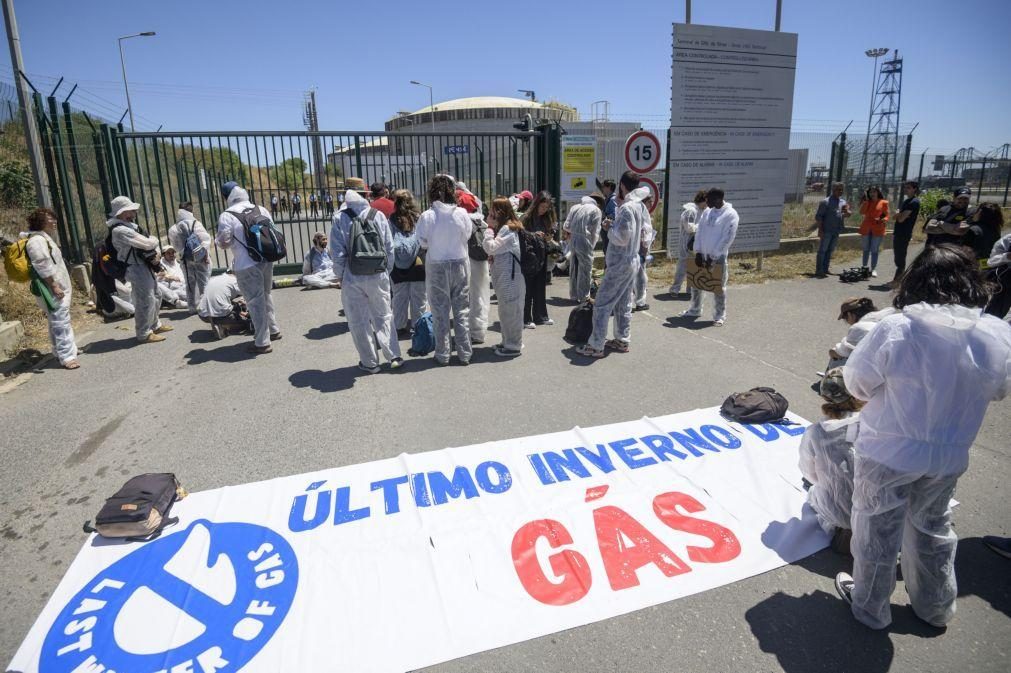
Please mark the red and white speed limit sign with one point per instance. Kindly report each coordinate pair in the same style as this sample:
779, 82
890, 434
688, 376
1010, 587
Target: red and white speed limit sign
655, 191
642, 152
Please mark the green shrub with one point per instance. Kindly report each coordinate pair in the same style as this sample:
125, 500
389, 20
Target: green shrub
16, 187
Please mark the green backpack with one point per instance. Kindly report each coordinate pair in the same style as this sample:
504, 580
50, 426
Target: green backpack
367, 250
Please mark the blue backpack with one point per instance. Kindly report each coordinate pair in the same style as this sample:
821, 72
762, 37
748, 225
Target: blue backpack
423, 341
193, 248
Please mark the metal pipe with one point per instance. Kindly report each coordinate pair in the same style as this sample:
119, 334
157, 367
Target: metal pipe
779, 13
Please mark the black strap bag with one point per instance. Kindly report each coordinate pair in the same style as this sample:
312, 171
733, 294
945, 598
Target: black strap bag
140, 509
758, 405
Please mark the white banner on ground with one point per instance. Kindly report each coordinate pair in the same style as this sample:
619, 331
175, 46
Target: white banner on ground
731, 110
402, 563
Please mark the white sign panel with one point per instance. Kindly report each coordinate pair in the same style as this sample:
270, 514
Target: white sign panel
403, 563
732, 104
579, 166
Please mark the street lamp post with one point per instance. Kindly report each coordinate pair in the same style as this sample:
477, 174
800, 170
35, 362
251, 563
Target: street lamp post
122, 63
431, 101
875, 54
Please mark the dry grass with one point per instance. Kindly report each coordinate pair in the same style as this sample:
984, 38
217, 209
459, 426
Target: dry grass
18, 303
744, 267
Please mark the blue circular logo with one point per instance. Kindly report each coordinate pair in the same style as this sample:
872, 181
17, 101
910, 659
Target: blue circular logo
208, 598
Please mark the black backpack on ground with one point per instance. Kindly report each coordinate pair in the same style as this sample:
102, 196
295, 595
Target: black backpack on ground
580, 324
758, 405
532, 253
140, 509
264, 241
367, 251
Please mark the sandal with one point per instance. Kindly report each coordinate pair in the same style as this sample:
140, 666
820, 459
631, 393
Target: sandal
617, 345
590, 352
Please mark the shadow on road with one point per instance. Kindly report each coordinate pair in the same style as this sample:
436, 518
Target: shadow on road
327, 331
667, 296
981, 572
335, 380
202, 336
110, 345
578, 360
235, 352
676, 322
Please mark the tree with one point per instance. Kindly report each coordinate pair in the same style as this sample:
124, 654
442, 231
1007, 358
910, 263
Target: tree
219, 161
290, 174
17, 190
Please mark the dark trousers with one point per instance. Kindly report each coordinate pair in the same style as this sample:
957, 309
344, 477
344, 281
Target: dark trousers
1000, 302
535, 305
900, 244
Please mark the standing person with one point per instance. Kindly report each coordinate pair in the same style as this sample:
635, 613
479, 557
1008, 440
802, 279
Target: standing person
190, 237
521, 202
690, 213
927, 374
379, 194
365, 280
582, 228
313, 205
408, 275
171, 279
273, 205
256, 279
444, 230
999, 274
480, 282
328, 200
47, 263
296, 205
284, 203
501, 241
949, 224
614, 298
905, 220
641, 278
539, 221
716, 233
140, 252
874, 208
317, 266
607, 188
830, 219
985, 225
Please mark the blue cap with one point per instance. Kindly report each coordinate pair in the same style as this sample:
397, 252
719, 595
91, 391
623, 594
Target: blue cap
227, 188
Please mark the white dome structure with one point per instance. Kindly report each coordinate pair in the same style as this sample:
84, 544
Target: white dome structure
479, 113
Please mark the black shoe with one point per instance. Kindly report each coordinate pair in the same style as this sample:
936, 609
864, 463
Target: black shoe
640, 307
405, 333
841, 541
844, 587
276, 336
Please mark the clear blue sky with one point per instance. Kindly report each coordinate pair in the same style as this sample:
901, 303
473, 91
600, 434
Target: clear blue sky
227, 64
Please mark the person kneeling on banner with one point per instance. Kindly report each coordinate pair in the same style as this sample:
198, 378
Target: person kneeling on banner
716, 232
614, 298
826, 459
223, 308
317, 267
927, 374
362, 247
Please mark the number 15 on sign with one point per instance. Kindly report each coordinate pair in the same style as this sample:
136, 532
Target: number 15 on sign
642, 152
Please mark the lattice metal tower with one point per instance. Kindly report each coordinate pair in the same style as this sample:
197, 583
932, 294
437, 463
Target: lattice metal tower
881, 147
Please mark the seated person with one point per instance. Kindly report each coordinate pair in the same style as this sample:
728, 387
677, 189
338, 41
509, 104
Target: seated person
171, 280
317, 267
826, 459
121, 308
861, 315
222, 306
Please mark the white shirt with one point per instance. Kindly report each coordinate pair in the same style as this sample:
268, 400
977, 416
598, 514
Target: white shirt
505, 242
218, 296
444, 229
717, 228
47, 259
231, 234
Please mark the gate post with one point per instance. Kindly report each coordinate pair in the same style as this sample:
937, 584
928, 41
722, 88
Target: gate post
549, 162
75, 162
47, 157
666, 193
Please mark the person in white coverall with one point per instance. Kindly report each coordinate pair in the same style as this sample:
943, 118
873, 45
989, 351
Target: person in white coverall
171, 279
641, 278
47, 260
927, 374
677, 246
480, 281
256, 279
196, 271
582, 227
317, 267
717, 228
615, 296
135, 248
444, 230
502, 243
366, 297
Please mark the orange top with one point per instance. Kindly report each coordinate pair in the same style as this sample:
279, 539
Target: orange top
875, 216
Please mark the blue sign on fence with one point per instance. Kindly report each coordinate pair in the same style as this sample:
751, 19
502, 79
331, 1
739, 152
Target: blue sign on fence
456, 149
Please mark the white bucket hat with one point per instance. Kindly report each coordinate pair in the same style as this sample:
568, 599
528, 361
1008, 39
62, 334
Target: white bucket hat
120, 205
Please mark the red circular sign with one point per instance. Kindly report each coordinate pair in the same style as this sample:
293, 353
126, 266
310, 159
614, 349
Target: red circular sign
656, 193
642, 152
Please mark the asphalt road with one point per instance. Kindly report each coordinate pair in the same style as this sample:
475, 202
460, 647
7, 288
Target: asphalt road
187, 406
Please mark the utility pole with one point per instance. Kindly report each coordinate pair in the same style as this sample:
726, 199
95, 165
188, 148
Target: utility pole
24, 100
311, 121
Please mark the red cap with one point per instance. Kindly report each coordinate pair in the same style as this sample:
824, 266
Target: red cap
466, 201
525, 194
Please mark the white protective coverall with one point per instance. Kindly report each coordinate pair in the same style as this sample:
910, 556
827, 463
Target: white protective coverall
218, 297
641, 279
124, 309
444, 230
826, 460
927, 374
256, 279
583, 225
128, 241
717, 228
47, 260
172, 285
510, 286
858, 331
409, 300
366, 298
196, 273
677, 246
615, 294
317, 268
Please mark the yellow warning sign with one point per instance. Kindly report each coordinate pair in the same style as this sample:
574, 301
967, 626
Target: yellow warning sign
578, 183
578, 159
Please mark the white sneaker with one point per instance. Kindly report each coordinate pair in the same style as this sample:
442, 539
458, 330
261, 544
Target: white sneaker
181, 303
874, 273
719, 322
844, 587
690, 314
529, 325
